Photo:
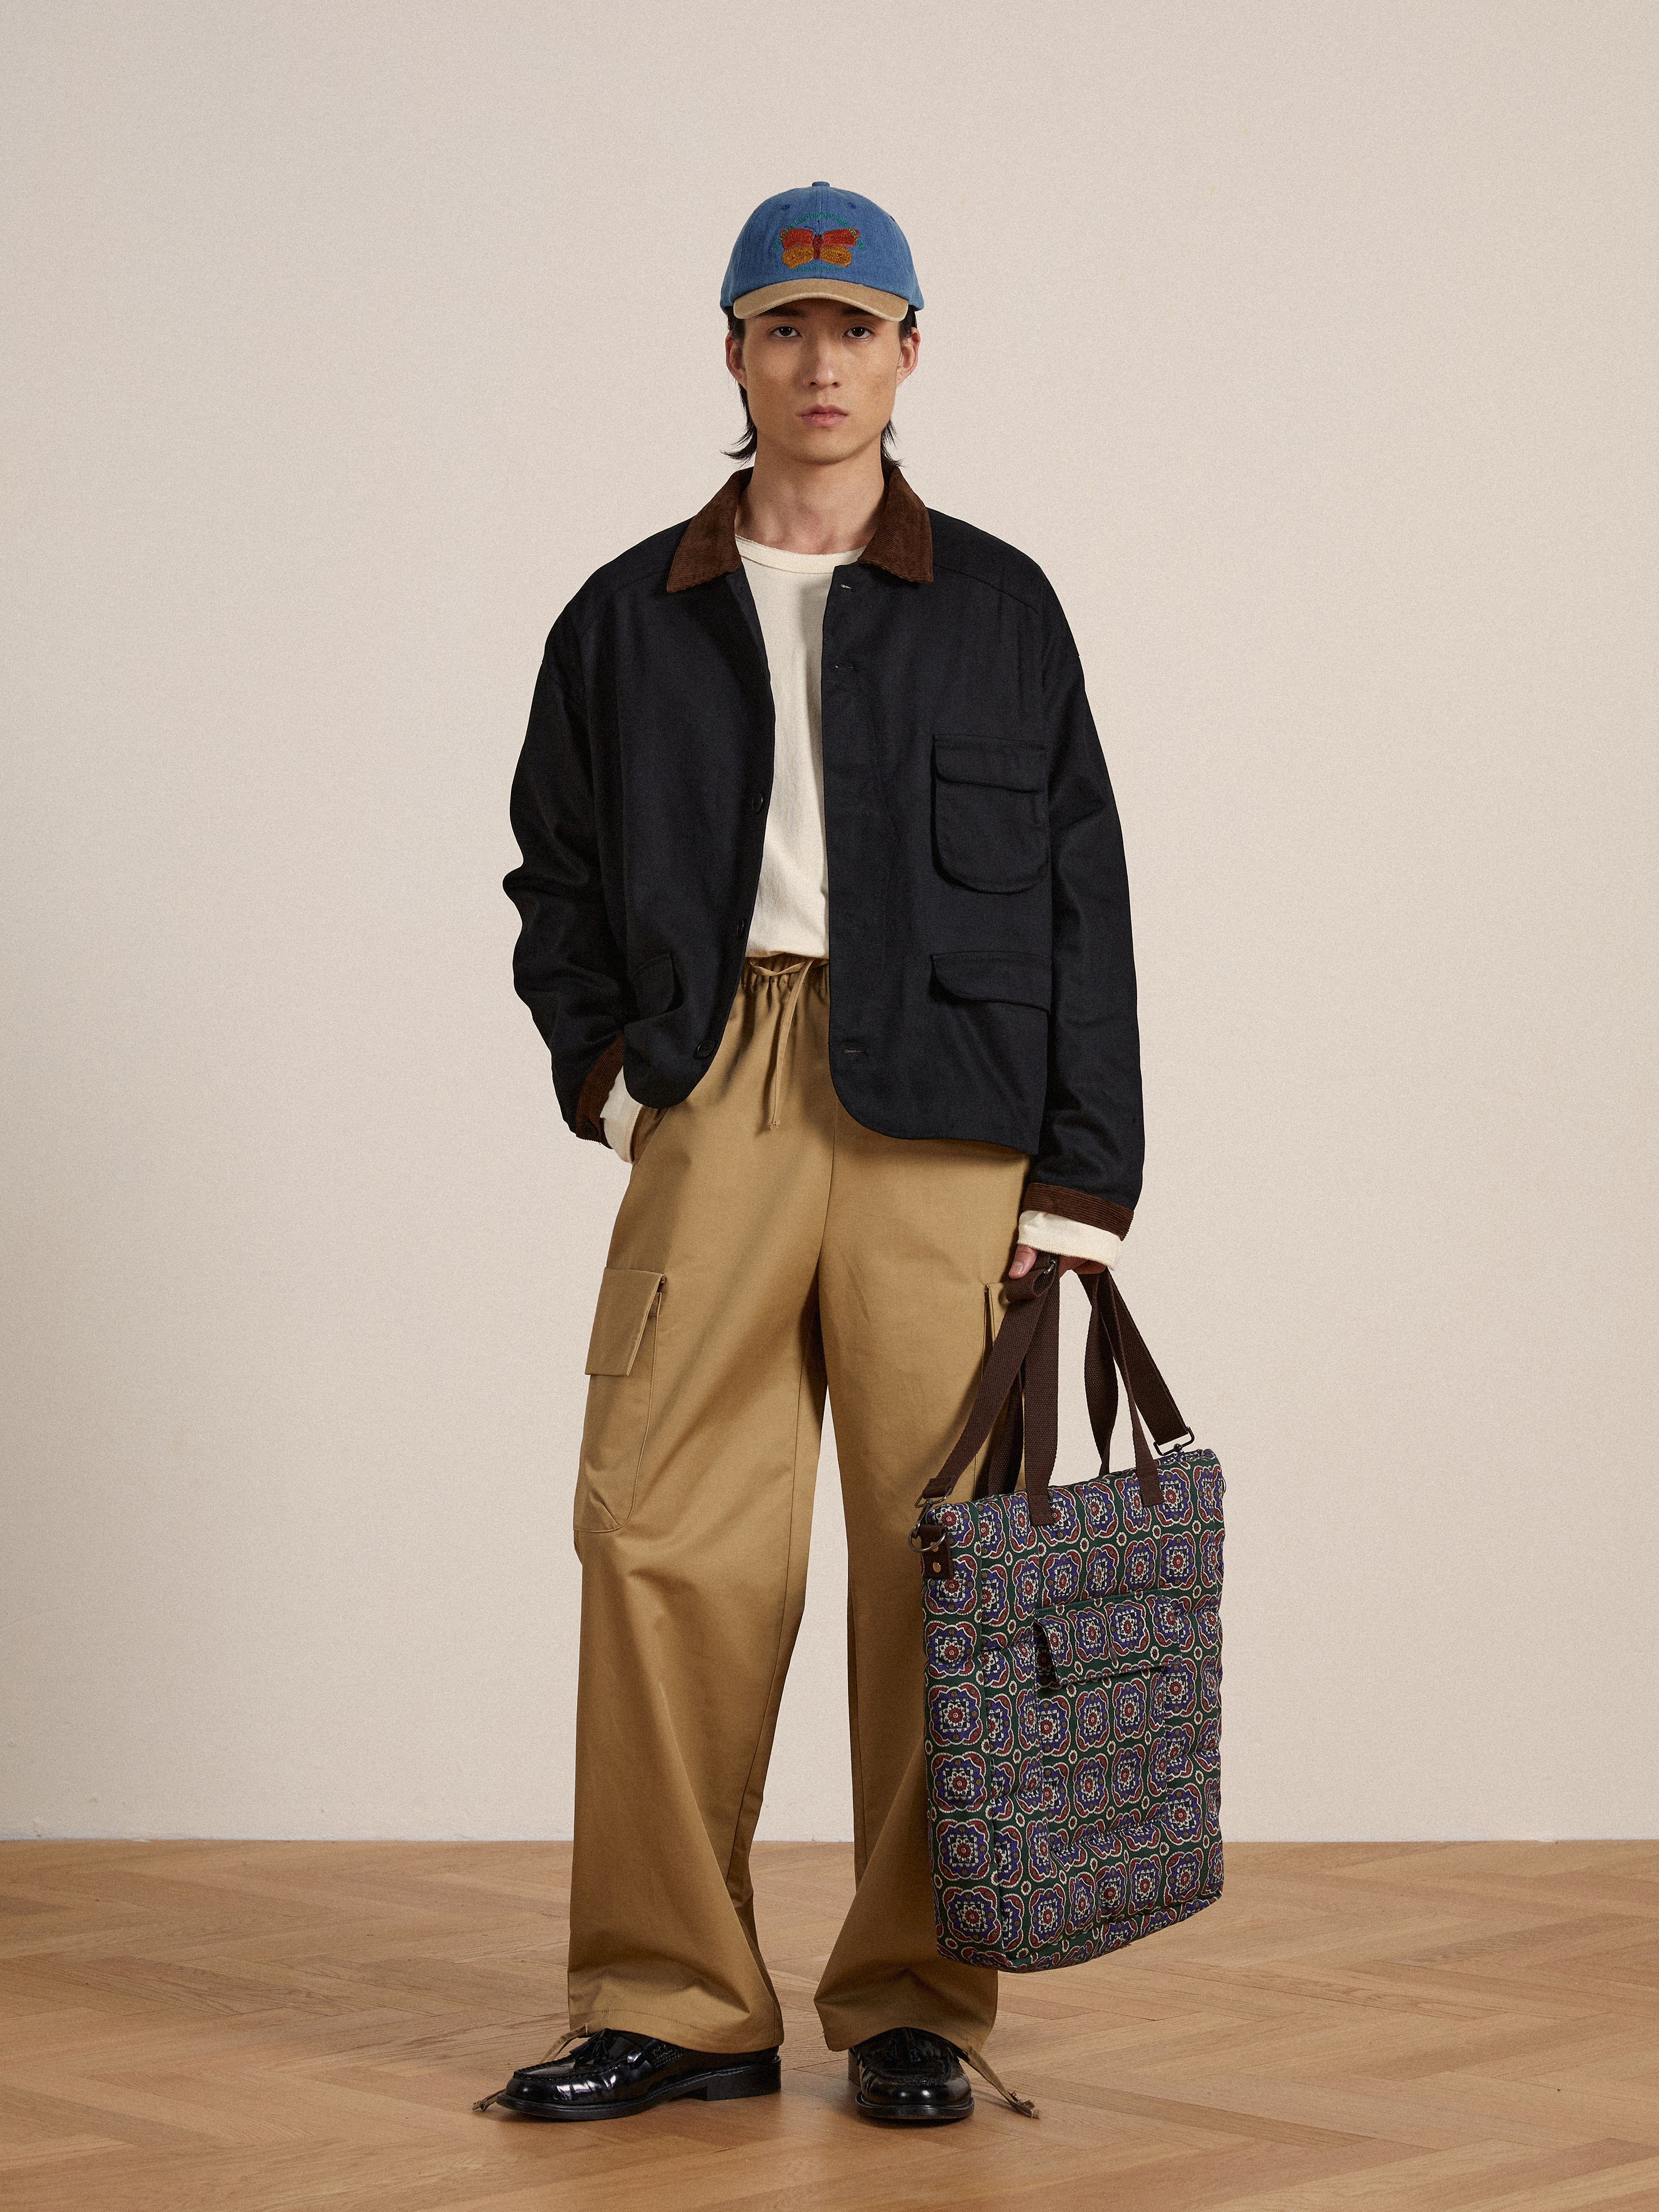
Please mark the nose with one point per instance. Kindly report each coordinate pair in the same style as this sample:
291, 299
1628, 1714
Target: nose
821, 365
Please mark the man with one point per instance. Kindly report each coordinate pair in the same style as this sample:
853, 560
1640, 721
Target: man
825, 923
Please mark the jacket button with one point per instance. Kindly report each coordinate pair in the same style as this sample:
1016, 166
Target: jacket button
758, 802
703, 1051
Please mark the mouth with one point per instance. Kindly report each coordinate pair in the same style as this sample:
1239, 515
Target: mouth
825, 418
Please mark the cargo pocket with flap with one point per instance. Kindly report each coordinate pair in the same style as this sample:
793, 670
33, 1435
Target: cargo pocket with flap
990, 812
622, 1354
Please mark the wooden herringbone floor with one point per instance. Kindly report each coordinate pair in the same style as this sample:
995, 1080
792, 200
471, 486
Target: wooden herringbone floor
241, 2028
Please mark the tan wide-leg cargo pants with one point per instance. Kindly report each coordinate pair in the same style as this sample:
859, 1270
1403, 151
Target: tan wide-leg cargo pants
767, 1244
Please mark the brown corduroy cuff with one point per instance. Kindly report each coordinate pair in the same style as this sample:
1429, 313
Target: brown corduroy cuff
1076, 1206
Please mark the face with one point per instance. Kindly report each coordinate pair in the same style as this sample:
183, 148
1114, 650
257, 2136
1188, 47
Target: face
821, 376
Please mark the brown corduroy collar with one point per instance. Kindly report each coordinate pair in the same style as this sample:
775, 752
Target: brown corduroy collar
902, 542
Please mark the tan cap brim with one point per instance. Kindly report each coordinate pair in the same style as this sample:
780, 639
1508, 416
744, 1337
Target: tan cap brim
889, 306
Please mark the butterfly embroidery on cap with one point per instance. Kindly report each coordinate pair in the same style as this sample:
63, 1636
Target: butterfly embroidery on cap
834, 247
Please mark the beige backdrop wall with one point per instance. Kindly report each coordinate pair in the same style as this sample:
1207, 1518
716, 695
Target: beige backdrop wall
1311, 350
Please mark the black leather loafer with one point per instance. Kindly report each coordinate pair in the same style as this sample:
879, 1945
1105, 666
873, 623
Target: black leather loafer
614, 2073
910, 2077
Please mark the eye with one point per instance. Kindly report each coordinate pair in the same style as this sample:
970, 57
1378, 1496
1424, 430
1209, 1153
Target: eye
783, 330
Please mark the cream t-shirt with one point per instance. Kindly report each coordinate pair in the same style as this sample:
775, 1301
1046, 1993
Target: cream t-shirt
792, 903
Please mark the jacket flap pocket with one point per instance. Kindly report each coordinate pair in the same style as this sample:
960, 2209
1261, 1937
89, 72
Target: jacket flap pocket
1013, 976
1002, 760
654, 984
625, 1299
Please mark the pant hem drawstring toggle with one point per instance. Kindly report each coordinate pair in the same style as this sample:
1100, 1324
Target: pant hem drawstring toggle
1020, 2105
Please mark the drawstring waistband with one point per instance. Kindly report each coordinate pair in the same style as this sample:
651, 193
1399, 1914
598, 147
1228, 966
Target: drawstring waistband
797, 967
785, 1025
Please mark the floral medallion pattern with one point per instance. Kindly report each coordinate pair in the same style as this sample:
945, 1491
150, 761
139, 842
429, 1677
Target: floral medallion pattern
1073, 1718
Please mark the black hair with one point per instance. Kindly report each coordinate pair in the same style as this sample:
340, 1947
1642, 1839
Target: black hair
744, 450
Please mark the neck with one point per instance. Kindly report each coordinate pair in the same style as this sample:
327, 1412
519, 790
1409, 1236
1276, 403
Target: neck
809, 507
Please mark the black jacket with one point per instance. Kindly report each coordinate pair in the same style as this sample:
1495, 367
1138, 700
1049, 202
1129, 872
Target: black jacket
981, 972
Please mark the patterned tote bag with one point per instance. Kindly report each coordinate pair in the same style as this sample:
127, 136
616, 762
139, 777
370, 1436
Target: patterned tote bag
1072, 1646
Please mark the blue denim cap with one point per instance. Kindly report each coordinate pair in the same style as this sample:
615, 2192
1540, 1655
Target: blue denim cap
816, 242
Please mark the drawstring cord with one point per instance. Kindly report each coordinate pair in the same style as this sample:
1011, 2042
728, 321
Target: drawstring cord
785, 1023
571, 2035
1021, 2105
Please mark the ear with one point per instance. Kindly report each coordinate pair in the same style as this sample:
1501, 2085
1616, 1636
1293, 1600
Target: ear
909, 346
734, 359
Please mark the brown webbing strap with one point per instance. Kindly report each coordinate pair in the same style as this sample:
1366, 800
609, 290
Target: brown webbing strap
1023, 1372
1106, 1317
1028, 1295
1041, 1374
1153, 1394
1000, 1472
1025, 1358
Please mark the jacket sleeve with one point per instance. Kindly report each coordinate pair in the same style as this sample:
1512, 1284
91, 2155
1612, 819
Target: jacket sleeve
1088, 1166
567, 965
